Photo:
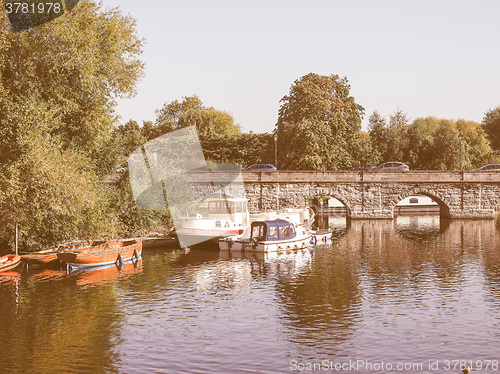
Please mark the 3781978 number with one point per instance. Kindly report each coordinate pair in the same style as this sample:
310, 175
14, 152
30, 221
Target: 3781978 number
473, 364
24, 7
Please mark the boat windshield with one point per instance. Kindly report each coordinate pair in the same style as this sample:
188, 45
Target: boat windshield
259, 231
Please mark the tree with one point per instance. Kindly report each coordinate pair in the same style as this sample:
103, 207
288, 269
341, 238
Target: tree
430, 143
241, 149
59, 82
72, 69
316, 121
131, 137
362, 150
389, 138
379, 135
476, 145
192, 112
491, 125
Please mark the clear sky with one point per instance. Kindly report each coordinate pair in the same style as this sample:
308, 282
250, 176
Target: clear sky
427, 58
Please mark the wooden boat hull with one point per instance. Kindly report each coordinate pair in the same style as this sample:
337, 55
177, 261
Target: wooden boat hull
102, 254
9, 262
40, 258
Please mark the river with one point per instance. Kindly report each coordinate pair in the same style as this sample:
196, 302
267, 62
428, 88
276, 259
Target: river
414, 295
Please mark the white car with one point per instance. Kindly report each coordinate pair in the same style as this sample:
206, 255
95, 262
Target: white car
391, 166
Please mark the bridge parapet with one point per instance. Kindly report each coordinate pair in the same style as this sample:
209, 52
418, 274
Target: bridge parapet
368, 176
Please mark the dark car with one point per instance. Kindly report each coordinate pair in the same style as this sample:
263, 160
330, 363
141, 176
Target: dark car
391, 166
489, 167
261, 167
363, 167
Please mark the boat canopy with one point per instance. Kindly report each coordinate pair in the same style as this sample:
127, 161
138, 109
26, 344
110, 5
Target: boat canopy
277, 229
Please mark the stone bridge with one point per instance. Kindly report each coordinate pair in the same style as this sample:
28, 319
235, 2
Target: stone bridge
460, 194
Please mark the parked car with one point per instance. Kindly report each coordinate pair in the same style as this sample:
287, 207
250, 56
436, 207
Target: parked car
363, 167
489, 167
260, 167
391, 166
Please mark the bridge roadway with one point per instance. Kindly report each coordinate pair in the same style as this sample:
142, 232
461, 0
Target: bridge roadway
460, 194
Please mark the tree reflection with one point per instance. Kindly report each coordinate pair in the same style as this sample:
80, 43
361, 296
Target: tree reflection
321, 307
59, 329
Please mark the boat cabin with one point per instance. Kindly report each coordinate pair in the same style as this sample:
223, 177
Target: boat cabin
219, 214
277, 229
227, 206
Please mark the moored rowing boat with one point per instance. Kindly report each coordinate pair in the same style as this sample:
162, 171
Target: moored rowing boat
102, 253
41, 258
9, 262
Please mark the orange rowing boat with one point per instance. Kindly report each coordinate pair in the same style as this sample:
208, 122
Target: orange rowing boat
9, 262
41, 258
102, 253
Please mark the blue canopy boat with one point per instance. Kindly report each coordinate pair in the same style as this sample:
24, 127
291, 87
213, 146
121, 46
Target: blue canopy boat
269, 236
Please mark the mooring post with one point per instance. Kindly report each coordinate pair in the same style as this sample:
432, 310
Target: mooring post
16, 238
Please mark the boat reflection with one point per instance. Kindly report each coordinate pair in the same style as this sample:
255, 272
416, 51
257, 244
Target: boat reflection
238, 269
44, 274
10, 277
96, 276
278, 263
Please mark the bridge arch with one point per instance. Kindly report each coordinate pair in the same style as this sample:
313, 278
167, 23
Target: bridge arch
444, 209
330, 195
343, 201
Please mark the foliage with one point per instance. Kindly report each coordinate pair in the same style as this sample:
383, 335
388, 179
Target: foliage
388, 138
132, 219
491, 125
239, 149
54, 196
430, 143
191, 112
362, 150
58, 85
73, 68
316, 122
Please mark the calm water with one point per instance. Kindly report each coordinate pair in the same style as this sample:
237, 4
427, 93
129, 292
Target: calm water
411, 292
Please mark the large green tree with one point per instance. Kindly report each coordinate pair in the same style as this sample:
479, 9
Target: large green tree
70, 70
58, 85
317, 121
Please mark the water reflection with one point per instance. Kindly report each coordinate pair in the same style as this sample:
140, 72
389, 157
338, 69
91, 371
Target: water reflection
54, 326
409, 290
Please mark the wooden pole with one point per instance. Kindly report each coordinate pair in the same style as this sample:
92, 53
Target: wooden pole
16, 238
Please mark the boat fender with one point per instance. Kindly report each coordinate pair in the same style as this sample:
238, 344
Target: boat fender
314, 239
119, 261
324, 238
136, 254
254, 242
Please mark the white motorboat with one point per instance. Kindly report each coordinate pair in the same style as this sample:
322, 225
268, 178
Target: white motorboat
269, 236
216, 218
